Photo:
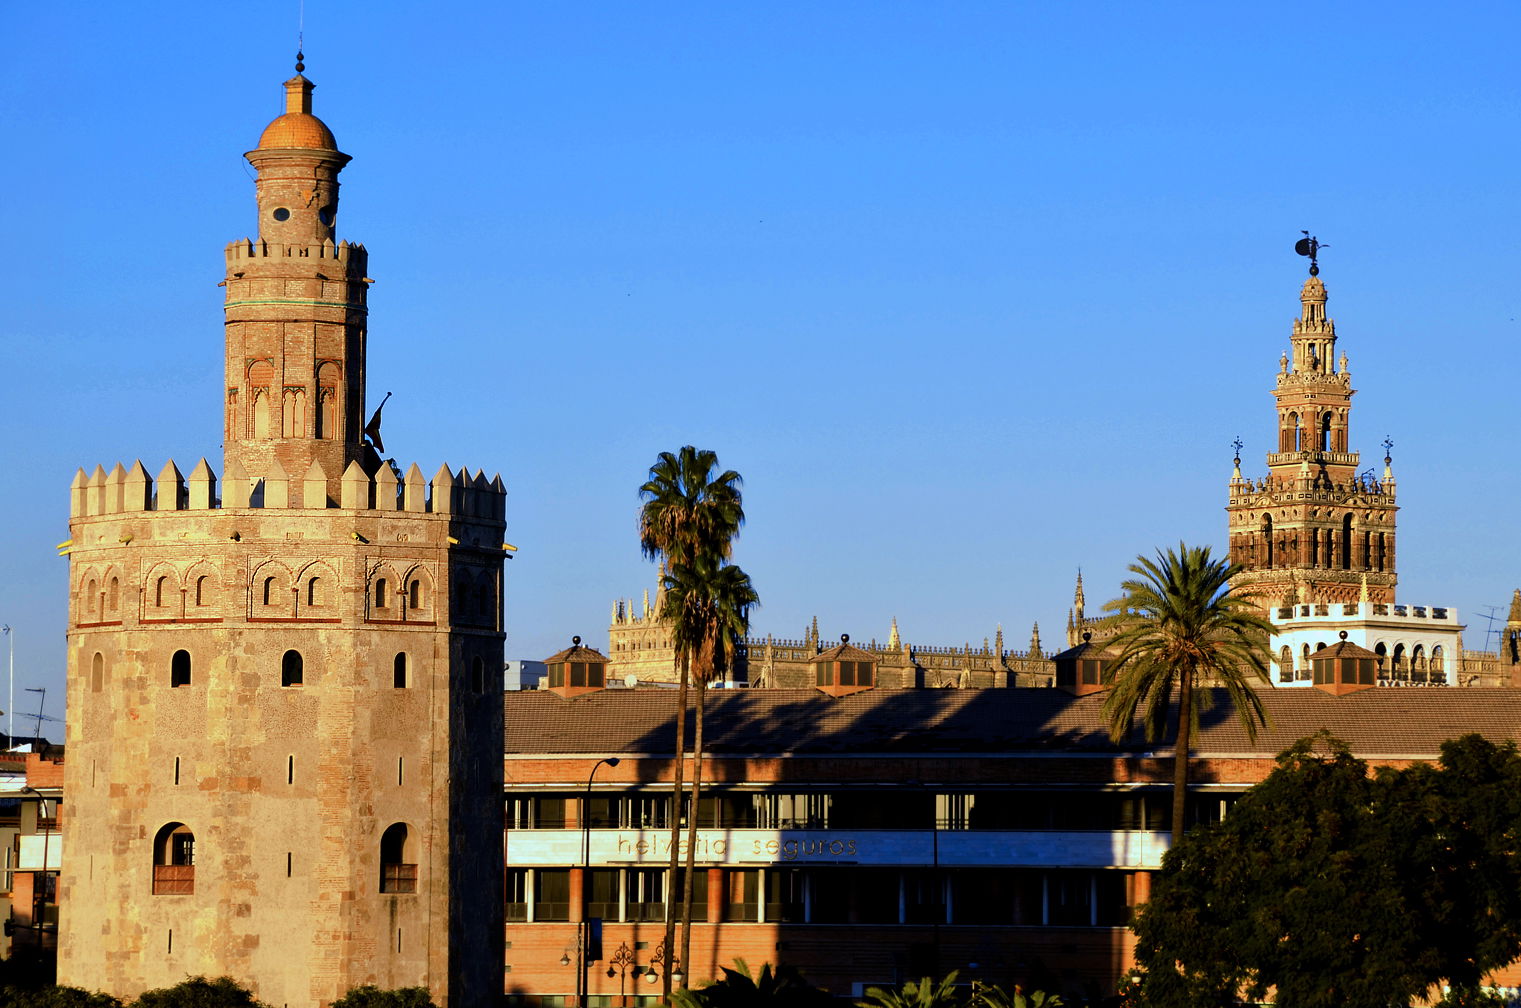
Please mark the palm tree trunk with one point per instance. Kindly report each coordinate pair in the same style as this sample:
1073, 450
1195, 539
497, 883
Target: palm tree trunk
1180, 752
675, 813
686, 894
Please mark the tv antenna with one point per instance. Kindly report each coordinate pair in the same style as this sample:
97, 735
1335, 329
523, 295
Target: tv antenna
39, 717
1492, 618
1310, 246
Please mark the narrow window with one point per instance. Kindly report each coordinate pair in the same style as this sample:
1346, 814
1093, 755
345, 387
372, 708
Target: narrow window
477, 675
398, 867
290, 769
158, 591
400, 766
291, 669
200, 591
97, 672
113, 595
1346, 542
414, 595
269, 590
179, 669
171, 941
287, 864
176, 769
380, 593
399, 671
174, 860
314, 592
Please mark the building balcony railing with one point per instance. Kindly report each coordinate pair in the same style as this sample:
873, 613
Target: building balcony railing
173, 880
1338, 611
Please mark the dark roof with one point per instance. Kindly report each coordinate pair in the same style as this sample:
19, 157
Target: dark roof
576, 652
844, 651
1375, 722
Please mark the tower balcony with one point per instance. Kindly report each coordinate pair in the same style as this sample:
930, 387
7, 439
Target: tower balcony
1327, 613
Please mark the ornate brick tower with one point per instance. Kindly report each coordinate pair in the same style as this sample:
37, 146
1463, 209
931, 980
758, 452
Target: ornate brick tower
285, 722
1315, 529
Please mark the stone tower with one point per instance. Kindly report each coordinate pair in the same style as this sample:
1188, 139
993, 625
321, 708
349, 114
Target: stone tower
284, 689
1315, 530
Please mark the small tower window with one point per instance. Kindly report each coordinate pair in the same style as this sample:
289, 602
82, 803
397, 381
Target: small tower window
414, 594
399, 671
97, 672
179, 669
201, 591
269, 590
314, 592
291, 671
280, 214
380, 593
174, 860
398, 862
158, 591
113, 595
478, 674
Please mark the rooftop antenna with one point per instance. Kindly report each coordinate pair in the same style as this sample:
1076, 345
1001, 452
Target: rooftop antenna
39, 717
300, 36
1310, 246
1491, 632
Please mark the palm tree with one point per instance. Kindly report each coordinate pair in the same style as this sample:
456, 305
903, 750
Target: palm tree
708, 603
1183, 626
687, 512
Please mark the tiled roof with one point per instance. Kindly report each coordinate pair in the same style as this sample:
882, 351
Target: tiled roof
1374, 722
576, 652
844, 651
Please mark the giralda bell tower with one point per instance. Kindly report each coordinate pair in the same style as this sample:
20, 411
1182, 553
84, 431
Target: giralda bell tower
1316, 529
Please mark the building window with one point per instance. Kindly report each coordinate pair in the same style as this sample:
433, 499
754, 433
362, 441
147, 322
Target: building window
399, 671
113, 595
380, 593
174, 860
414, 595
314, 592
398, 862
269, 590
179, 669
477, 675
646, 894
516, 894
291, 671
551, 894
202, 597
97, 672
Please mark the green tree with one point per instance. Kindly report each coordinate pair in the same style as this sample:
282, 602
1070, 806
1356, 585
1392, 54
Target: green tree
687, 513
782, 988
926, 992
56, 997
708, 603
198, 992
1182, 627
1305, 888
990, 996
370, 996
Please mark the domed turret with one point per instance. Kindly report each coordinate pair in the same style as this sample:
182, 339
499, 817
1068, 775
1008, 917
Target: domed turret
298, 128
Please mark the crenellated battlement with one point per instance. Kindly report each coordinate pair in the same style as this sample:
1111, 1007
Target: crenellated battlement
343, 252
130, 490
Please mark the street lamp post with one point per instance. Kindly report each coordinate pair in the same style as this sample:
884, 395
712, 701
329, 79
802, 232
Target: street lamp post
583, 931
622, 964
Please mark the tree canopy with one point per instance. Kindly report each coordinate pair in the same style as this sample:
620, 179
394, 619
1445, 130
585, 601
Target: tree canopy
1331, 887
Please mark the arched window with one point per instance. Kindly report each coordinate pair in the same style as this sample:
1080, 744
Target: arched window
113, 595
398, 860
269, 590
1267, 537
477, 675
1437, 668
97, 672
1285, 664
201, 591
179, 669
1325, 432
1382, 651
1346, 542
414, 594
158, 591
1296, 437
399, 671
1400, 671
314, 592
173, 860
380, 593
91, 598
291, 669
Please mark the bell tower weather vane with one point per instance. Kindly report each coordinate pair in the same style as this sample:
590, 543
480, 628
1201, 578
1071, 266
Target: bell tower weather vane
1310, 246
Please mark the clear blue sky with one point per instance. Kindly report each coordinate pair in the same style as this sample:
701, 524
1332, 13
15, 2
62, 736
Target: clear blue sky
973, 294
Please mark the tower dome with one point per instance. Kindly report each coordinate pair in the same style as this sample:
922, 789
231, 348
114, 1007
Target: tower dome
297, 128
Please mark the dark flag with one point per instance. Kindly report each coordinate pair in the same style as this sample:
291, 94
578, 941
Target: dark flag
372, 429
